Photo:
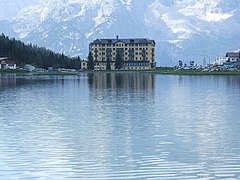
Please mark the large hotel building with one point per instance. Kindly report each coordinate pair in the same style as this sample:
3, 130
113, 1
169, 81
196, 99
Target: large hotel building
136, 53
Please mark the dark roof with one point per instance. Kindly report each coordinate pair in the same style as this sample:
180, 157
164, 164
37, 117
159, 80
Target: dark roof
7, 60
125, 41
233, 54
3, 58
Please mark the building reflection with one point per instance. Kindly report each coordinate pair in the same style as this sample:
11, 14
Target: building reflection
122, 109
126, 81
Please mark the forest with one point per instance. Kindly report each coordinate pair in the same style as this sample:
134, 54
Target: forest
37, 56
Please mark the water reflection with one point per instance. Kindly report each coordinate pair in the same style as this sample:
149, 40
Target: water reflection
7, 80
121, 104
126, 81
119, 126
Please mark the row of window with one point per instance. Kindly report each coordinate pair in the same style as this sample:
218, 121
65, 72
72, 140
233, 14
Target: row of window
114, 49
119, 45
126, 53
136, 64
126, 59
129, 64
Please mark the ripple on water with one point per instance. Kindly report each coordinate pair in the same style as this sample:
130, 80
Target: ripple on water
159, 127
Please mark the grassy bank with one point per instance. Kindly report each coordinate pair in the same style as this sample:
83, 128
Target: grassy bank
15, 71
173, 71
18, 71
55, 73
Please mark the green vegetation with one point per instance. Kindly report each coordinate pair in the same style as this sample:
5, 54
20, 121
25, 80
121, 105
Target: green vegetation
108, 66
55, 73
173, 71
90, 63
34, 55
119, 61
13, 71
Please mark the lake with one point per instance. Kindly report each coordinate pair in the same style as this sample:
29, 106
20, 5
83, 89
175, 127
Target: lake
119, 126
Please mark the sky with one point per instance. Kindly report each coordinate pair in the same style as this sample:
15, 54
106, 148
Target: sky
9, 8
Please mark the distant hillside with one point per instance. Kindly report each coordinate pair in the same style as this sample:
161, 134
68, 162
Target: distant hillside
34, 55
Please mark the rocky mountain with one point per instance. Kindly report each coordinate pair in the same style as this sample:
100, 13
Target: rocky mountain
187, 30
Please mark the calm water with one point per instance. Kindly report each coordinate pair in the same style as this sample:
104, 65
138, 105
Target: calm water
119, 126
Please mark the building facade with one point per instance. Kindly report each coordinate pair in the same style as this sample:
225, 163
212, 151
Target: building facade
7, 63
233, 56
136, 53
83, 64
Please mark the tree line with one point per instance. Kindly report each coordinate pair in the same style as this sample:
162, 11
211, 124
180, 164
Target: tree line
37, 56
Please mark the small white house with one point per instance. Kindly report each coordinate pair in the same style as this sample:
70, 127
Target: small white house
7, 63
233, 56
83, 64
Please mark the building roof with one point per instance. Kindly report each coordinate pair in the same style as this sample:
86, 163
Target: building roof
3, 58
7, 60
125, 41
233, 54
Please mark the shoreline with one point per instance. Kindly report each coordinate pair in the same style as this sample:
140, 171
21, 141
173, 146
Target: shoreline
163, 71
193, 72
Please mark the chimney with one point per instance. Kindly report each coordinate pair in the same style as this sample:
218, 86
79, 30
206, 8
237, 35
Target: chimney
117, 37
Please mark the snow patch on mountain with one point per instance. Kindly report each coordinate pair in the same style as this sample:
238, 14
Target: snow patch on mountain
177, 26
206, 11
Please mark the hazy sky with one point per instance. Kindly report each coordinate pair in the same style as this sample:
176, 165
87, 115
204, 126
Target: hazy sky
9, 8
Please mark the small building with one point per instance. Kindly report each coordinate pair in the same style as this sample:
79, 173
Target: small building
7, 63
83, 65
135, 53
233, 56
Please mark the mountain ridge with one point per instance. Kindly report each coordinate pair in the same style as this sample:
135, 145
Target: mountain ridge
188, 30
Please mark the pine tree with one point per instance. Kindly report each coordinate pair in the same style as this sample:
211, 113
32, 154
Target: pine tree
34, 55
108, 66
119, 61
90, 63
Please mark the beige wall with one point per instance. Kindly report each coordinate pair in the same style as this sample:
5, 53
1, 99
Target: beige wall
101, 52
83, 64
